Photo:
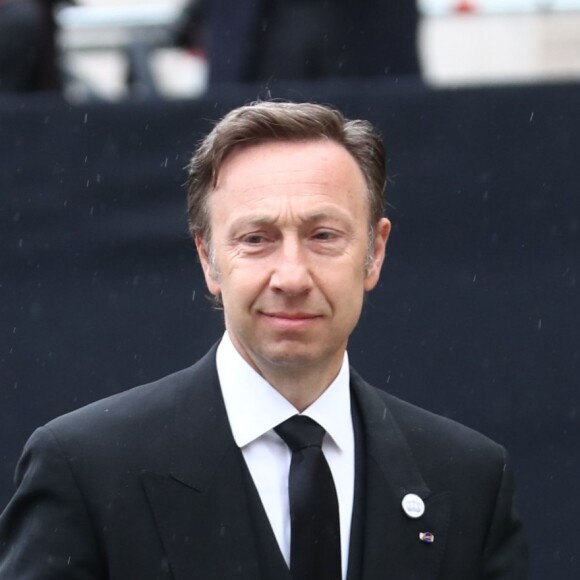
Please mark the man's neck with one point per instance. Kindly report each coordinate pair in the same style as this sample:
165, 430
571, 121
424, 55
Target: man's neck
300, 385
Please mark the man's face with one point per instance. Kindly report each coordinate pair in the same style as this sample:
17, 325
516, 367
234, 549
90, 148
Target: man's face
290, 237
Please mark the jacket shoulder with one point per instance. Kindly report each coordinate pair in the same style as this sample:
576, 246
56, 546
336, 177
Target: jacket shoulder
417, 420
433, 439
143, 411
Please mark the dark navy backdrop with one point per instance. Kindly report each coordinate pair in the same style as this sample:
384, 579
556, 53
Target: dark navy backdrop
477, 316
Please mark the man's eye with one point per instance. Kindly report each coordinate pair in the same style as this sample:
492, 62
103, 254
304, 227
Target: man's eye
324, 235
254, 239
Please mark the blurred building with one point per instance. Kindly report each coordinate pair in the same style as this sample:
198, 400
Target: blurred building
459, 42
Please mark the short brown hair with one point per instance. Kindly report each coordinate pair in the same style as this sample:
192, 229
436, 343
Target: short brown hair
265, 121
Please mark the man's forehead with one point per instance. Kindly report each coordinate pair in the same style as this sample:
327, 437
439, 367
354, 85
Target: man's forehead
268, 178
264, 148
317, 161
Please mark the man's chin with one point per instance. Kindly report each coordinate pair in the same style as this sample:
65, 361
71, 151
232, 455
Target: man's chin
299, 356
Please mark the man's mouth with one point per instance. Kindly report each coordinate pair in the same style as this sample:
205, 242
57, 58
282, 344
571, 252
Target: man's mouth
291, 320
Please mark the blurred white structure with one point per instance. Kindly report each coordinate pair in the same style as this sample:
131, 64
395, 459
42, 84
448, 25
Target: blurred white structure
460, 42
499, 41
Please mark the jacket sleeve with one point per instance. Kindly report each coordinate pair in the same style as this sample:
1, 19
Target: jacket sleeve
45, 531
505, 552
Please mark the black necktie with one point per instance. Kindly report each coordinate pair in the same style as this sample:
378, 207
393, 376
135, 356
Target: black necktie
315, 530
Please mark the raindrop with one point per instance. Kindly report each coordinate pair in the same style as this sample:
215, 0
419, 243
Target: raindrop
35, 310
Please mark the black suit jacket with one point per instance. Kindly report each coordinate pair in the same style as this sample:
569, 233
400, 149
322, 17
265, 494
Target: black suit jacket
149, 484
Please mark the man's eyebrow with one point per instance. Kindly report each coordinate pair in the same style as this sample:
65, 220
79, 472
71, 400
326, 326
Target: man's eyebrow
255, 220
252, 219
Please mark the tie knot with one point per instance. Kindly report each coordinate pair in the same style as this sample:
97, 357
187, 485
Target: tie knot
299, 432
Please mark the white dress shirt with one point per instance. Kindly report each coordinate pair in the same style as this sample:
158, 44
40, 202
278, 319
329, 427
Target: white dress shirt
254, 408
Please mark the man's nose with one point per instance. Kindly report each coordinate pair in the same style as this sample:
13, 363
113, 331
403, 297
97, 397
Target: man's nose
291, 271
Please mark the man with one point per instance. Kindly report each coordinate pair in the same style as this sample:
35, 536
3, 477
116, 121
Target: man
199, 475
28, 52
267, 40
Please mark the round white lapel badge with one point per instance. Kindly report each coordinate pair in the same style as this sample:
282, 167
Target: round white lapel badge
413, 505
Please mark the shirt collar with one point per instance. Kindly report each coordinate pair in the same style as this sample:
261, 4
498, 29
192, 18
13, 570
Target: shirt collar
254, 407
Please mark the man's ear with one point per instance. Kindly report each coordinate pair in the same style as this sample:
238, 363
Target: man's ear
373, 271
209, 269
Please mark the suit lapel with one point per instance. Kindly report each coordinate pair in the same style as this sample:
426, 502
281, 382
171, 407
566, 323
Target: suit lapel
392, 547
201, 509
